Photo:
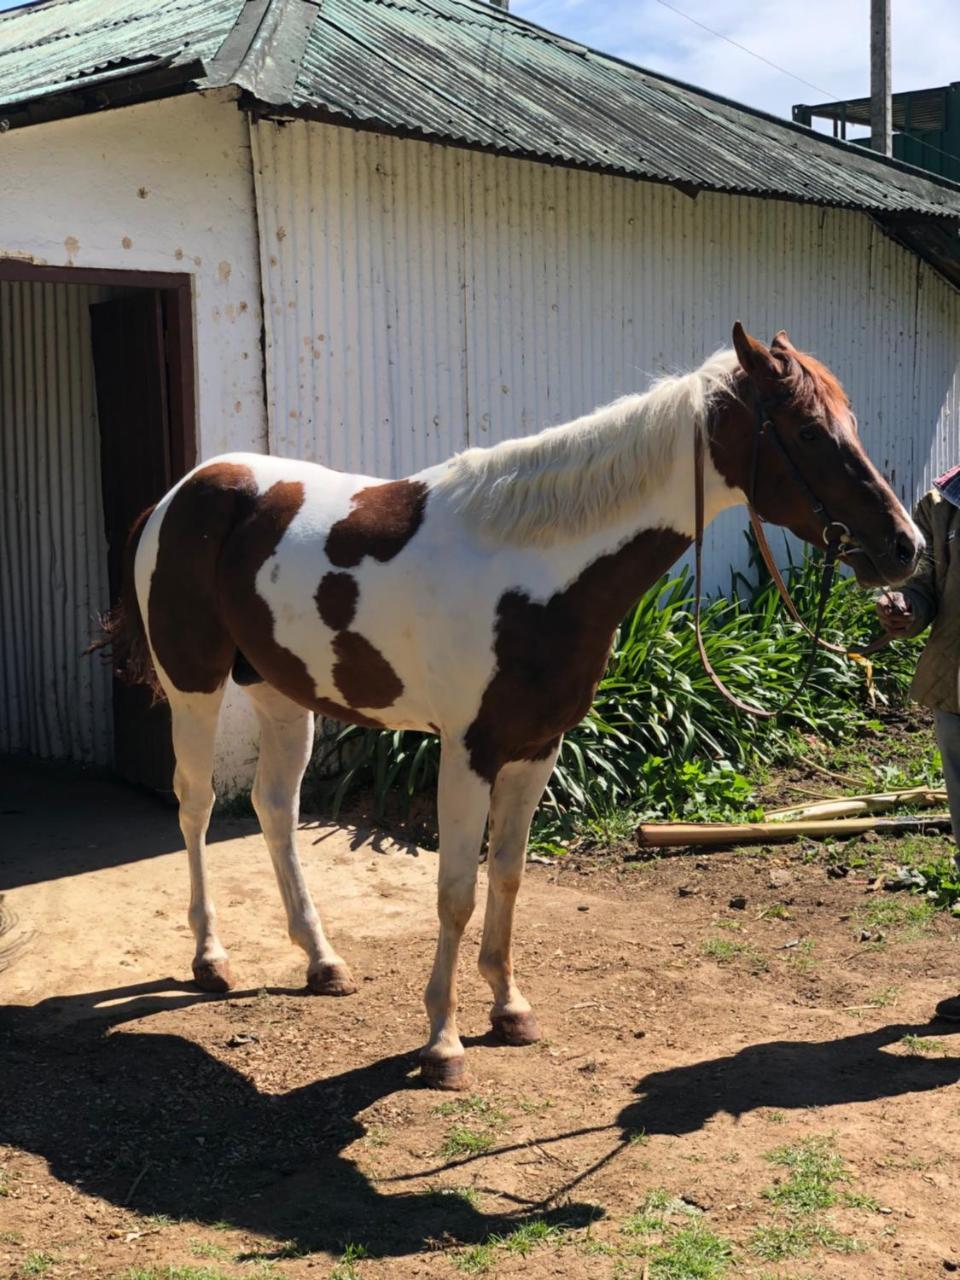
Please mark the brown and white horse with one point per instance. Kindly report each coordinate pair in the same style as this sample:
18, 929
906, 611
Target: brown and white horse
477, 600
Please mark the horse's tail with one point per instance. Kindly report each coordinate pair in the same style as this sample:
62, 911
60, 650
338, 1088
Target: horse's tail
122, 629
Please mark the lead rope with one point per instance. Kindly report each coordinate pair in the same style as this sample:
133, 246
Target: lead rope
826, 581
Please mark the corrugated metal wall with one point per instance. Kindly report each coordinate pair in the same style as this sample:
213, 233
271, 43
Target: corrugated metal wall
421, 297
53, 559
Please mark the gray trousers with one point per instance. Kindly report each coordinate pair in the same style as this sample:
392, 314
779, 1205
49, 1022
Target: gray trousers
946, 725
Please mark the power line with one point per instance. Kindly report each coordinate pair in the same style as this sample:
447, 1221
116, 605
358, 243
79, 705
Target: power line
800, 80
753, 54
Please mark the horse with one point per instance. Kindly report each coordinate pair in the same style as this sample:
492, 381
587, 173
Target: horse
477, 600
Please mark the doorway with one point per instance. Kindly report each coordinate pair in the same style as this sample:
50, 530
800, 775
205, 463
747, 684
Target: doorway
100, 368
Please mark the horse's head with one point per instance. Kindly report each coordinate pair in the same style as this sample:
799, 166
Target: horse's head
806, 469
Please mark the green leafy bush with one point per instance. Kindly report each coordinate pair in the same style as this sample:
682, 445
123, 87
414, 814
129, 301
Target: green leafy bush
659, 738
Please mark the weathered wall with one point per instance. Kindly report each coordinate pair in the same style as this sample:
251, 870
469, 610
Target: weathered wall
461, 298
165, 186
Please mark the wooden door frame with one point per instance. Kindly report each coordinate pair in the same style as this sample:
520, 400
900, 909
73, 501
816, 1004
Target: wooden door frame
176, 290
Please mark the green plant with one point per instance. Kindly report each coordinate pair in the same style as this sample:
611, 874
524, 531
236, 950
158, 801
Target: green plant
463, 1141
920, 1045
692, 1253
36, 1263
815, 1169
797, 1239
345, 1270
205, 1249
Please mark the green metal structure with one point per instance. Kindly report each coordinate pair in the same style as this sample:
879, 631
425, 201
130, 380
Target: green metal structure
926, 126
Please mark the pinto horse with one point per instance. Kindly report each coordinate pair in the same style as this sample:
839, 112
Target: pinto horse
476, 600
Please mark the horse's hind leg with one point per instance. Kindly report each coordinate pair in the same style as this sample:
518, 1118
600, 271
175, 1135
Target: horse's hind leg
516, 794
462, 803
286, 741
194, 717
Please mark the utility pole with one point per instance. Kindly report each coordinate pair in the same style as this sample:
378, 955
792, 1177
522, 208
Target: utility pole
881, 106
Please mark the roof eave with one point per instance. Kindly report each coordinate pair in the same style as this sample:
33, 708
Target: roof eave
163, 80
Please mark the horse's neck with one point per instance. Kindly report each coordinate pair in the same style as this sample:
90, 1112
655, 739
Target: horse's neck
621, 561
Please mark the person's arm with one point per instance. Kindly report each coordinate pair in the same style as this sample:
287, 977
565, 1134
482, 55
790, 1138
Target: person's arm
904, 614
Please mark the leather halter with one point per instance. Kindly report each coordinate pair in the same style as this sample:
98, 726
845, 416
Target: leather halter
836, 537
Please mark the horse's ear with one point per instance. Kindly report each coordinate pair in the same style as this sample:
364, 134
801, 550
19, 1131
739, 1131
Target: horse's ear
781, 342
755, 359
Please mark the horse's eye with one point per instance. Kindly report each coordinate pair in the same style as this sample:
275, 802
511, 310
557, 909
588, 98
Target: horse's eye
808, 434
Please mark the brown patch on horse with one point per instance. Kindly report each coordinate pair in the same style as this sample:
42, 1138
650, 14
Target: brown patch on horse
383, 520
336, 599
245, 612
550, 657
362, 673
187, 631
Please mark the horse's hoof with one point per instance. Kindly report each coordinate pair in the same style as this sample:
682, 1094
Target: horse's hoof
515, 1028
213, 975
444, 1073
331, 980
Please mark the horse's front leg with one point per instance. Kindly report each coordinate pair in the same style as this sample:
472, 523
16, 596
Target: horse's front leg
463, 800
516, 794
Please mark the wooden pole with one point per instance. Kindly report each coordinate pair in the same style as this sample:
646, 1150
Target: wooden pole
666, 835
881, 105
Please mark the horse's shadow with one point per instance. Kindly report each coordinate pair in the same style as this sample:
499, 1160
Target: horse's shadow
789, 1074
156, 1124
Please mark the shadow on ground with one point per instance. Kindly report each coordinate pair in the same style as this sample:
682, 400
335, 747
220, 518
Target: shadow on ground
155, 1124
789, 1074
60, 821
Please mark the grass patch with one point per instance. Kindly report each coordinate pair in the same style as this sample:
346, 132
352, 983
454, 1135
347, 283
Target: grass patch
722, 950
345, 1268
908, 916
882, 998
688, 1251
522, 1240
725, 951
475, 1260
692, 1253
205, 1249
464, 1141
36, 1263
815, 1169
803, 957
920, 1046
473, 1138
462, 1195
776, 912
472, 1106
798, 1239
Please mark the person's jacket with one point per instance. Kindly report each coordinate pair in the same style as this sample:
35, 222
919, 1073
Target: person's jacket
934, 594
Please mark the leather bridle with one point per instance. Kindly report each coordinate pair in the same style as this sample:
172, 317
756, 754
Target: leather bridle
837, 540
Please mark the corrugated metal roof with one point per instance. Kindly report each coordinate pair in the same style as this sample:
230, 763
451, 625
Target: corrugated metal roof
460, 71
69, 45
463, 70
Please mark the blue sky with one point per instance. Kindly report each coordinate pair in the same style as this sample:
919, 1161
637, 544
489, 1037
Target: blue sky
825, 42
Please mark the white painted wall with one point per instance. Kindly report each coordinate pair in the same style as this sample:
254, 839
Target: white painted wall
457, 298
166, 186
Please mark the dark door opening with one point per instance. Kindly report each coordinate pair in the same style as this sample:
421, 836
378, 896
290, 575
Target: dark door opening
143, 371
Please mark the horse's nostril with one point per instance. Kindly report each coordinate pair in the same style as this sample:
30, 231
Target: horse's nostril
906, 549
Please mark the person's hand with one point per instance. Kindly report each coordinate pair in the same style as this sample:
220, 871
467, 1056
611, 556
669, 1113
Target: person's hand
895, 613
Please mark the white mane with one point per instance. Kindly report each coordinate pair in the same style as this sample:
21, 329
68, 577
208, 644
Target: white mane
570, 480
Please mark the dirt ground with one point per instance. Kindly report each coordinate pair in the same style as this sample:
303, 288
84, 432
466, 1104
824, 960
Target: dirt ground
150, 1131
